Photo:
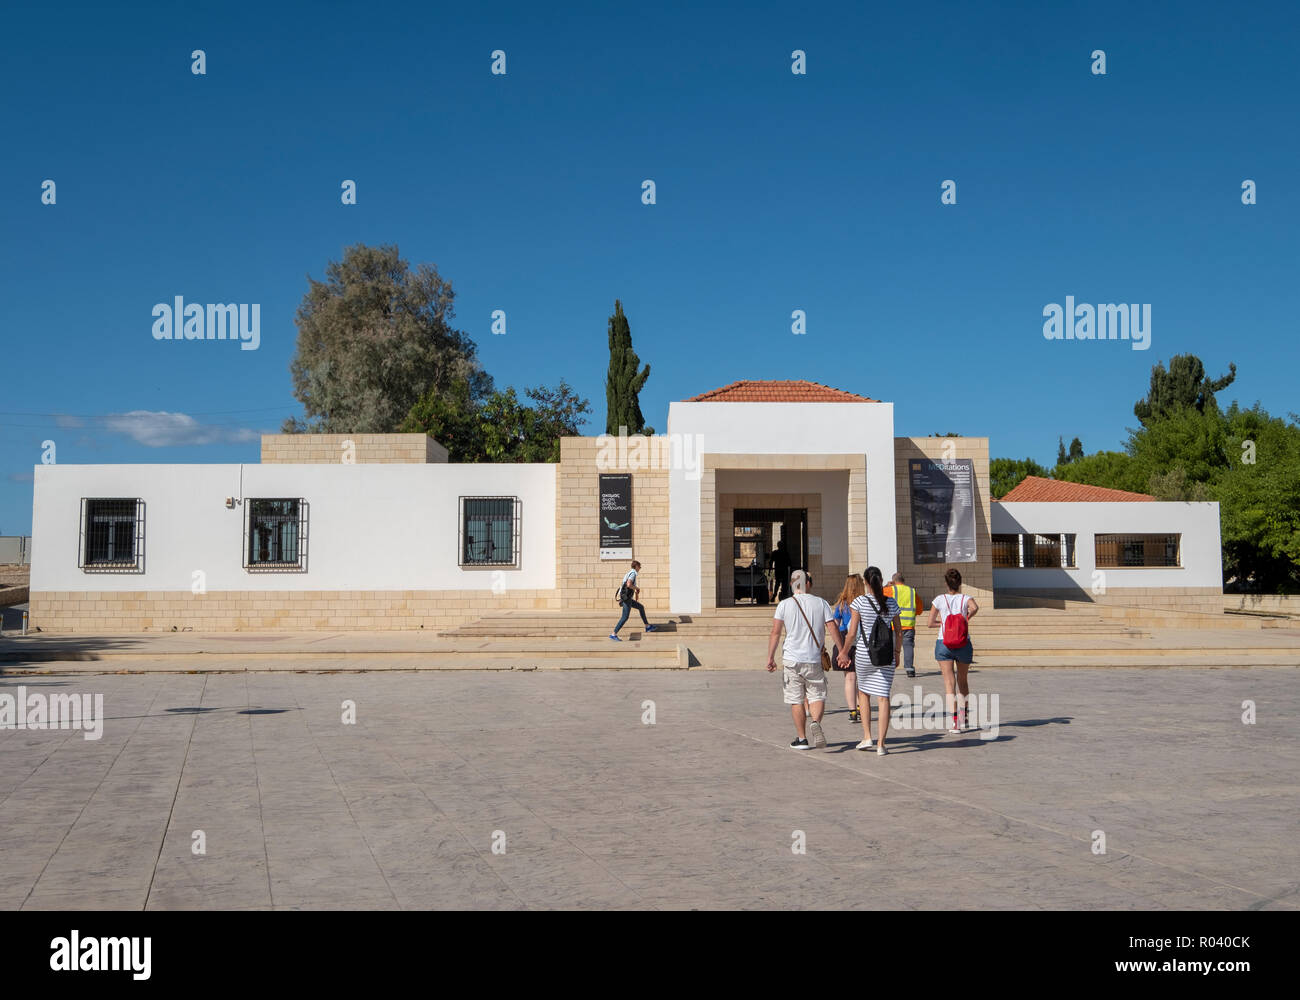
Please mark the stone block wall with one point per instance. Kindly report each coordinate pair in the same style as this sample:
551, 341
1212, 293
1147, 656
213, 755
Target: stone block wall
328, 449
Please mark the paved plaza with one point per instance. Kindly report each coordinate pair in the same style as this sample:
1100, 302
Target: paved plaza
514, 789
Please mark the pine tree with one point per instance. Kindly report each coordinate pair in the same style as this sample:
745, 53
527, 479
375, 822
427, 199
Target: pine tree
1185, 384
624, 382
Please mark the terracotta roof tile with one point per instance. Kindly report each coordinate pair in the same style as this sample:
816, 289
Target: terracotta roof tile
1036, 489
778, 391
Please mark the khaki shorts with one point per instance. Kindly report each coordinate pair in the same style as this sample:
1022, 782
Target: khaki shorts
804, 681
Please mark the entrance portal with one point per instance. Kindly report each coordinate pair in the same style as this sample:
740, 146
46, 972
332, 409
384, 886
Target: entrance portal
768, 544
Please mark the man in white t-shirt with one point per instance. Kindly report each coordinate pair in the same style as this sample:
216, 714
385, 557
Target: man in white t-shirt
804, 618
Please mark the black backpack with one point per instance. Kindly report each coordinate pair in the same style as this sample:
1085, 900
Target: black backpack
880, 643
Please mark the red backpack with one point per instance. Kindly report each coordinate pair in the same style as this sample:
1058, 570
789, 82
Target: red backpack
955, 635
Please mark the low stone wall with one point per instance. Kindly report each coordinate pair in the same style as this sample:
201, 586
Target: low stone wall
118, 612
328, 449
9, 596
1191, 600
1269, 604
1184, 615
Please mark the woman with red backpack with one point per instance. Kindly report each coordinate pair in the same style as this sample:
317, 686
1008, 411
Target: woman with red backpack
951, 612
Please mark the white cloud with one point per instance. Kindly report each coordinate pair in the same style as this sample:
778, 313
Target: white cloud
160, 429
68, 421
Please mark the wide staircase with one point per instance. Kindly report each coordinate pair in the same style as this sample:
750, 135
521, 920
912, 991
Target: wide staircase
736, 638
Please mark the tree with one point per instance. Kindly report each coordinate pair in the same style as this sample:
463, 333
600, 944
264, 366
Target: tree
451, 418
1186, 439
500, 428
1115, 470
560, 412
1005, 474
1259, 501
374, 338
1183, 385
1076, 450
1061, 456
625, 381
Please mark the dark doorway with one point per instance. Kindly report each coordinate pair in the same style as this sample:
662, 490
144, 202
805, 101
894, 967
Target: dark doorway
756, 535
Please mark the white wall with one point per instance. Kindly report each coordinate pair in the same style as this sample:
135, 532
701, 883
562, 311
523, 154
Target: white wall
779, 428
1198, 523
370, 527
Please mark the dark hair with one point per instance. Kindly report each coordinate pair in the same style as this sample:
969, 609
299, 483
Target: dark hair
953, 579
635, 564
875, 584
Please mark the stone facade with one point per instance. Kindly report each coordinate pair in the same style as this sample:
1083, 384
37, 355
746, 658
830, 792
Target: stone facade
328, 449
713, 532
826, 580
116, 612
977, 577
1202, 600
585, 581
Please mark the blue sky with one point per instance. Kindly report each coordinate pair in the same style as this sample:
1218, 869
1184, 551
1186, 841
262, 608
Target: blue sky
775, 192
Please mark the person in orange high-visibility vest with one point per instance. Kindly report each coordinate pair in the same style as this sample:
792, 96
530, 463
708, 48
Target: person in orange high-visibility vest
905, 597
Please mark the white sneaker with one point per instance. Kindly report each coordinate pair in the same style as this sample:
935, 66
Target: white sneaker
816, 737
865, 745
881, 751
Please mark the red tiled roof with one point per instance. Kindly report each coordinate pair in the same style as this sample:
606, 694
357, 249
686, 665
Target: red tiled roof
1036, 489
778, 391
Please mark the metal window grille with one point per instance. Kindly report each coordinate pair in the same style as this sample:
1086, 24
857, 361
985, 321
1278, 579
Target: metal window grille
1006, 551
1033, 551
489, 531
275, 535
1118, 551
112, 535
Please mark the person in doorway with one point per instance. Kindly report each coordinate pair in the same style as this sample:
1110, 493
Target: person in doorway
781, 563
803, 617
873, 680
953, 648
905, 597
853, 589
628, 592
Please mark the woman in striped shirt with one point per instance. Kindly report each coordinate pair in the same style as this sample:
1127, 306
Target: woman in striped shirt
873, 680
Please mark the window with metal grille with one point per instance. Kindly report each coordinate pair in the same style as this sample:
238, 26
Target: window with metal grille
489, 531
112, 535
275, 534
1034, 551
1006, 551
1119, 551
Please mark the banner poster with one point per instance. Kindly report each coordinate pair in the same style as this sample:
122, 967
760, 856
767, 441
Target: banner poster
616, 516
943, 510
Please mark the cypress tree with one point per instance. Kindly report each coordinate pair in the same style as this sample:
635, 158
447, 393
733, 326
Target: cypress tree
624, 382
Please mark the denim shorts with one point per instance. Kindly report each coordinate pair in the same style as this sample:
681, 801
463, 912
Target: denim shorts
963, 655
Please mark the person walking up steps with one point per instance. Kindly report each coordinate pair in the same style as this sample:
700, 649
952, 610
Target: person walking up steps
905, 597
879, 641
952, 612
627, 595
804, 618
853, 589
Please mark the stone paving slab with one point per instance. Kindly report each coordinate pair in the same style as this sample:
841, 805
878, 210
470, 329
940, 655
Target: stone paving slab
597, 810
